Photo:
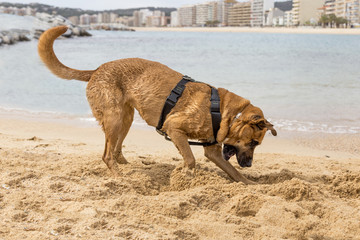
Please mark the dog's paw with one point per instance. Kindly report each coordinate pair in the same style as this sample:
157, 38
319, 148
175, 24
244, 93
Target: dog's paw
189, 172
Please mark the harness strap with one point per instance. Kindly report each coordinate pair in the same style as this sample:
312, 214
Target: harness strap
174, 97
172, 100
215, 111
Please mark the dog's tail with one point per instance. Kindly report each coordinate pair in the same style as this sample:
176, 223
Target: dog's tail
47, 55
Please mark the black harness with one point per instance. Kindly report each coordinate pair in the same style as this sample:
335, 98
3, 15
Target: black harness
174, 97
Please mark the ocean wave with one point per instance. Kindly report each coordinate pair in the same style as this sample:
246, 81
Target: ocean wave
301, 126
89, 120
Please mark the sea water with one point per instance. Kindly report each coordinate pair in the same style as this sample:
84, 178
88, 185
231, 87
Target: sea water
302, 82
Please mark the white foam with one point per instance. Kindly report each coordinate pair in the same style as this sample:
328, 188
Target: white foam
301, 126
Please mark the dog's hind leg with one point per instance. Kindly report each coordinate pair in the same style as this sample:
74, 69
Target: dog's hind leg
125, 121
116, 126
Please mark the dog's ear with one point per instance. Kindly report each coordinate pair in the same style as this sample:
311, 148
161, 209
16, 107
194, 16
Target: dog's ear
230, 105
270, 127
262, 123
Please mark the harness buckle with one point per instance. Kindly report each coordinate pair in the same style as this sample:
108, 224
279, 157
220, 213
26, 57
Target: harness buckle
188, 78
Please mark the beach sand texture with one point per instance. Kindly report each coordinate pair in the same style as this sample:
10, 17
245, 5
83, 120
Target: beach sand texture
54, 185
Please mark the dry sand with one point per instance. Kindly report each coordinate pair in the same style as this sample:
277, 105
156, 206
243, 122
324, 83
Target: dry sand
299, 30
54, 185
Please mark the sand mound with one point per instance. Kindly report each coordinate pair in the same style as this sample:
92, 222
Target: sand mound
295, 190
346, 186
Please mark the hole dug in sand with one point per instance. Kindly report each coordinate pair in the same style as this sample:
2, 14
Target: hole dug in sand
274, 177
181, 179
246, 205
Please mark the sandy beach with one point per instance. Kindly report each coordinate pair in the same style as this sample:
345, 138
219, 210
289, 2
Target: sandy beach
300, 30
54, 185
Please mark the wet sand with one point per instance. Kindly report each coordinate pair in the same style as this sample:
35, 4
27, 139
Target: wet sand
54, 185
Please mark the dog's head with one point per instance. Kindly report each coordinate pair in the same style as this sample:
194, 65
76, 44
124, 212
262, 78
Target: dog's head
241, 133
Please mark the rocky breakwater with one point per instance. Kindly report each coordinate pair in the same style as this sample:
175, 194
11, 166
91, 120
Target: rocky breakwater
14, 35
18, 28
45, 21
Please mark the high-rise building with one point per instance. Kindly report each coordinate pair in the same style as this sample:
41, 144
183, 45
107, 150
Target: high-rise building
348, 9
187, 15
85, 19
305, 11
202, 13
75, 20
258, 8
225, 5
174, 22
240, 14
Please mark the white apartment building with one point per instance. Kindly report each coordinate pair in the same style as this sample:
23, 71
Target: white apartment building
140, 17
274, 17
288, 19
174, 22
187, 15
258, 8
84, 19
348, 9
203, 12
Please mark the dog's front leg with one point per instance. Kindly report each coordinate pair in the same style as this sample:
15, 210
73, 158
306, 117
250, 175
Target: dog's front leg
213, 153
180, 140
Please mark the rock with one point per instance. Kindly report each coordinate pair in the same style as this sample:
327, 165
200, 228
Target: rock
6, 37
14, 35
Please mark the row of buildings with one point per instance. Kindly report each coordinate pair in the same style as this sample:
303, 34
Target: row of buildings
28, 11
347, 9
251, 13
258, 13
140, 18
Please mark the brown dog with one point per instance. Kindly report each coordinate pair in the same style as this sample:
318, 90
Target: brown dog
117, 87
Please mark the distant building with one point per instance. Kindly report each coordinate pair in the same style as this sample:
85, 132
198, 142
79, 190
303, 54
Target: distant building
126, 21
258, 8
202, 14
113, 17
305, 11
75, 20
93, 18
84, 19
174, 19
140, 17
275, 17
187, 16
348, 9
240, 14
225, 6
288, 19
18, 11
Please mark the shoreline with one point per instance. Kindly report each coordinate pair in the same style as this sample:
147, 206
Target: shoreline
337, 145
300, 30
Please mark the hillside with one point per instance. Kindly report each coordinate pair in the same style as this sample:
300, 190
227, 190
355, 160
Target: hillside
68, 12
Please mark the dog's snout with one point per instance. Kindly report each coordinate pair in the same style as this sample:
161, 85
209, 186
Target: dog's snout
229, 151
244, 160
